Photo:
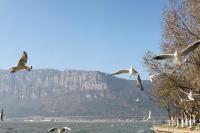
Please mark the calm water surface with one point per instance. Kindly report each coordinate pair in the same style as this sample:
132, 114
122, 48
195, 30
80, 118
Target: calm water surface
42, 127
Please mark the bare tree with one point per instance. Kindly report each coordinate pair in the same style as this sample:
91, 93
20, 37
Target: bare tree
181, 27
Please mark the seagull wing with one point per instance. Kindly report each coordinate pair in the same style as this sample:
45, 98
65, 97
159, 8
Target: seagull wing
151, 78
23, 59
196, 94
190, 48
139, 82
53, 129
67, 128
120, 72
164, 56
184, 92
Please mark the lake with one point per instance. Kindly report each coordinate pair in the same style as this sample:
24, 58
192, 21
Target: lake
99, 127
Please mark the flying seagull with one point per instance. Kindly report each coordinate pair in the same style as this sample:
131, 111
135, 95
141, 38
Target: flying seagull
179, 56
151, 77
21, 64
182, 100
132, 72
2, 114
61, 130
149, 116
190, 95
137, 100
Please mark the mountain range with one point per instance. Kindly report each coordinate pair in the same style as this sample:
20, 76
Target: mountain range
49, 92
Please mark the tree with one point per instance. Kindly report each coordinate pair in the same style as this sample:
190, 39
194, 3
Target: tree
181, 27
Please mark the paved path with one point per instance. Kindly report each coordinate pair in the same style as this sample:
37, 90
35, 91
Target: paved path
165, 129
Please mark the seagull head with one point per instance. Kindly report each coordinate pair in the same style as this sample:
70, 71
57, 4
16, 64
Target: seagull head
131, 71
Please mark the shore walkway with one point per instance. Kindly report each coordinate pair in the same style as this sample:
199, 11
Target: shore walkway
167, 129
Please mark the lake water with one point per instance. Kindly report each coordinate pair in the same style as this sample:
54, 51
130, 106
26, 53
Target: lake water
107, 127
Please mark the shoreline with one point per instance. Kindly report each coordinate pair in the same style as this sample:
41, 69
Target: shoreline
167, 129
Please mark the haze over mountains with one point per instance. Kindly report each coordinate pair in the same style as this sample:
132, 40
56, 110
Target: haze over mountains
48, 92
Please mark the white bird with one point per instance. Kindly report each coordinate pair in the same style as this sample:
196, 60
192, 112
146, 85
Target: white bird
184, 100
149, 116
2, 114
190, 95
21, 65
179, 56
61, 130
151, 77
186, 60
132, 72
137, 100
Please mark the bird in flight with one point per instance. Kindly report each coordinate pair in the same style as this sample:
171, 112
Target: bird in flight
2, 114
132, 72
61, 130
21, 65
148, 117
151, 77
179, 56
190, 95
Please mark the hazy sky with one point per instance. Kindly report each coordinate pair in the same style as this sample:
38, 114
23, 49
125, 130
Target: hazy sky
104, 35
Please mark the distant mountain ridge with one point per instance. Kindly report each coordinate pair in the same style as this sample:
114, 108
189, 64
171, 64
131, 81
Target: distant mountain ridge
49, 92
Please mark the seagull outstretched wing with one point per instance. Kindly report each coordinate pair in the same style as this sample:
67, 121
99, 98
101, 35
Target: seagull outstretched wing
196, 94
164, 56
190, 48
120, 72
23, 59
53, 129
184, 92
67, 128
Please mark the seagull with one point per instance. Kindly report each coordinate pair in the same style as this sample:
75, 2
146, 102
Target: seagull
21, 64
132, 72
2, 114
137, 100
186, 61
61, 130
149, 116
152, 76
179, 56
190, 95
184, 100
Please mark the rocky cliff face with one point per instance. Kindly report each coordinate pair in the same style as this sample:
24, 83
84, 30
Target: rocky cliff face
51, 92
41, 83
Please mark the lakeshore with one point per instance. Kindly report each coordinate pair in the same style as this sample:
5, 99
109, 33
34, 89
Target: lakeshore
168, 129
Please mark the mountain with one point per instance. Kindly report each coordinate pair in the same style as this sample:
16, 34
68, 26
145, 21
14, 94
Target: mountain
48, 92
